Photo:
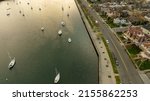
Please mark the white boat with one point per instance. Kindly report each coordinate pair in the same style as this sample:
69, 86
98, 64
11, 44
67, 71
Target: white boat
6, 78
12, 63
60, 32
42, 28
57, 77
63, 23
69, 40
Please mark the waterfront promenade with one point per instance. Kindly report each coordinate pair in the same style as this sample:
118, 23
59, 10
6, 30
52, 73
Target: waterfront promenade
106, 75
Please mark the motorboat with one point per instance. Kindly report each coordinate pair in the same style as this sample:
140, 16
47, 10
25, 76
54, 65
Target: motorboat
42, 28
69, 40
60, 32
12, 63
57, 77
63, 23
6, 79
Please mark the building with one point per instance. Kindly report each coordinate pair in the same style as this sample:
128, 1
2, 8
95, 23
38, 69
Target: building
147, 17
146, 50
140, 37
121, 21
135, 34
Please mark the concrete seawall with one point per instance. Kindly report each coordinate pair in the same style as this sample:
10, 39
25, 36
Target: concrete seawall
91, 38
83, 20
105, 70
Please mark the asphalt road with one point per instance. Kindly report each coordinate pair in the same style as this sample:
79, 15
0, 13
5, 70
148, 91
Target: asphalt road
126, 68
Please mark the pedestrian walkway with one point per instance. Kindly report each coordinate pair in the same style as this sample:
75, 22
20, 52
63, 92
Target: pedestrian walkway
106, 74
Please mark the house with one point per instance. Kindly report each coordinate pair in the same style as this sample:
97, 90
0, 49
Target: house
112, 10
141, 38
124, 14
121, 21
116, 21
147, 17
105, 9
136, 34
146, 50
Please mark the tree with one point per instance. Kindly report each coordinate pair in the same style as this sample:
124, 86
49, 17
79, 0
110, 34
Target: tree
98, 35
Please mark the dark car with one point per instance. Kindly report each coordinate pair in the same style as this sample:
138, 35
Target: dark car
117, 63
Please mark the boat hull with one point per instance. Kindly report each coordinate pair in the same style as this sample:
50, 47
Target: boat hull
57, 78
12, 63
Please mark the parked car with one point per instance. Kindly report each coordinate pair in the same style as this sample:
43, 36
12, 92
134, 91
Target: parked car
117, 63
107, 41
96, 21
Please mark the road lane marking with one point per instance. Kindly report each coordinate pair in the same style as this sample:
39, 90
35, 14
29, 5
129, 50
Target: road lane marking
107, 27
120, 57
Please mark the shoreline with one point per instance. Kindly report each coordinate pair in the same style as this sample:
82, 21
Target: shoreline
105, 75
92, 40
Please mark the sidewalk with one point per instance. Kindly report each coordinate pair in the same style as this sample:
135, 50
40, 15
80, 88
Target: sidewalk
106, 75
144, 77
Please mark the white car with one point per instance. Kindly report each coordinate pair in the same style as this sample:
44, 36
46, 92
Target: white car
96, 21
107, 41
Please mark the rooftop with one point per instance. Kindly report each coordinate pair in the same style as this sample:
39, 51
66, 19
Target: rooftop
135, 30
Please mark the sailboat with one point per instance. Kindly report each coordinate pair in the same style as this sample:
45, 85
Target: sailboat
57, 77
69, 40
60, 32
12, 63
42, 28
63, 23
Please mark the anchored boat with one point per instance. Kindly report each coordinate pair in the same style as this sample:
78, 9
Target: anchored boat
60, 32
69, 40
42, 28
57, 77
12, 63
63, 23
